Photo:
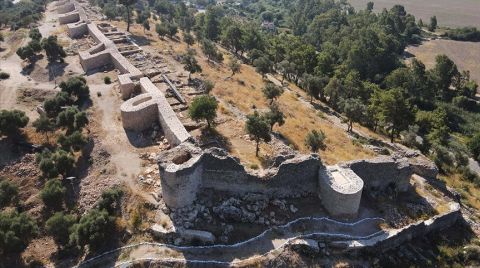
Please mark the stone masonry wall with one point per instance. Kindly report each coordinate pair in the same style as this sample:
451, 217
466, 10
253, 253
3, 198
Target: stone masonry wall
137, 113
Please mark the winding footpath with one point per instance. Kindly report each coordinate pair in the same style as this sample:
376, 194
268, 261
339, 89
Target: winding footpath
272, 239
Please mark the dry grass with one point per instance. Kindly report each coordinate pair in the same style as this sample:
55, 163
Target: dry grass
244, 91
470, 194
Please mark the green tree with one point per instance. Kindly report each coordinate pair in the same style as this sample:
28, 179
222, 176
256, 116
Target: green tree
110, 200
161, 29
394, 111
74, 141
8, 193
11, 122
258, 127
16, 231
72, 119
313, 85
443, 75
275, 116
53, 50
272, 92
315, 140
211, 52
128, 5
190, 64
188, 39
44, 125
263, 65
208, 86
93, 229
54, 105
433, 24
234, 66
232, 38
212, 22
53, 193
146, 25
354, 110
35, 34
76, 86
59, 226
474, 146
203, 108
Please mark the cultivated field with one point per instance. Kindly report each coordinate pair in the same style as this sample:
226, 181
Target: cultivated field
449, 13
465, 54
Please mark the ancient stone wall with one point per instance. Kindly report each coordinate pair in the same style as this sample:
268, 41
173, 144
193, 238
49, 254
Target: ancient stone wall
380, 173
214, 169
339, 187
140, 112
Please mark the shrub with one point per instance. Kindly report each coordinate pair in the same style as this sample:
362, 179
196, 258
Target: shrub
53, 193
8, 193
4, 75
11, 122
315, 140
110, 200
107, 80
93, 229
16, 230
74, 141
60, 227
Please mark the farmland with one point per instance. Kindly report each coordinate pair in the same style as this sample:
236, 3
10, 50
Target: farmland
449, 13
465, 54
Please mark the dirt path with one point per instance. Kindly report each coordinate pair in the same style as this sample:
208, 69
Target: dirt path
123, 154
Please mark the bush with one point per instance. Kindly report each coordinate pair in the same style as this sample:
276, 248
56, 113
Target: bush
74, 141
53, 164
16, 230
93, 229
110, 200
8, 193
53, 193
315, 140
107, 80
11, 122
60, 227
4, 75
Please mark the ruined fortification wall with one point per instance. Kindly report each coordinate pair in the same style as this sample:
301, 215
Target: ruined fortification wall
140, 112
214, 169
339, 187
382, 172
394, 238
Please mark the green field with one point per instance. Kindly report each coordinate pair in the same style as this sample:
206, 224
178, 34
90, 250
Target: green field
449, 13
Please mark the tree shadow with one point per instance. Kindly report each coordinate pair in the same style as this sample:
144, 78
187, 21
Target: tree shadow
146, 138
212, 138
141, 40
56, 69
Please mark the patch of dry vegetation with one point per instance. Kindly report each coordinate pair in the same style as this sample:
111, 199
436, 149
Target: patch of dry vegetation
244, 91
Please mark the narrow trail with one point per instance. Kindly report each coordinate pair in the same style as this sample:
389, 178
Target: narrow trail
272, 239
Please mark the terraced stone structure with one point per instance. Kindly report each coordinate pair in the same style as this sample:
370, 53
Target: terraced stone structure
141, 111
